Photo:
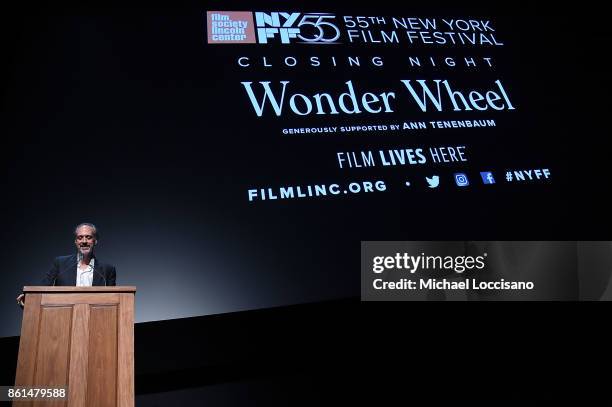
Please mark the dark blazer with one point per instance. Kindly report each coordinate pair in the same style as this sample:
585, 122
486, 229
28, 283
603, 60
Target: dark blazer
64, 272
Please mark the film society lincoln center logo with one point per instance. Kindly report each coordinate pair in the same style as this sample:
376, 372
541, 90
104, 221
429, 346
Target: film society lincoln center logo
230, 27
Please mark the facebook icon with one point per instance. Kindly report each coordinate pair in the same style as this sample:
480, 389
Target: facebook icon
487, 177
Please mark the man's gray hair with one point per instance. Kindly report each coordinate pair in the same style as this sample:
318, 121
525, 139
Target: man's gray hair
91, 225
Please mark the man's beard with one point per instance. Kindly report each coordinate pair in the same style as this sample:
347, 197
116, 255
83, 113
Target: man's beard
86, 253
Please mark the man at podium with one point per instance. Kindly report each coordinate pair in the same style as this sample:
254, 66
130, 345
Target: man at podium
82, 269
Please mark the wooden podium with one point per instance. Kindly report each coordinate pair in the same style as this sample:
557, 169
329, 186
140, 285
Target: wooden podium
82, 338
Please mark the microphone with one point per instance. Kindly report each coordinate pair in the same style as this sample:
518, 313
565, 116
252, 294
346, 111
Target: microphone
74, 266
95, 271
101, 275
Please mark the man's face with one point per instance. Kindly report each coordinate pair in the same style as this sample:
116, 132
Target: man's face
85, 240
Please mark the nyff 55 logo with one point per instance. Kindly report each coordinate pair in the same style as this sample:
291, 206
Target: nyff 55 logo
231, 27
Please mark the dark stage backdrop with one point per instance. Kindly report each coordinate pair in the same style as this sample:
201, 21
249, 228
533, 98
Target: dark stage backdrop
129, 118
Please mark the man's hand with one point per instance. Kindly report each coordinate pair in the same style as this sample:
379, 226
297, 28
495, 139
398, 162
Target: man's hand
20, 299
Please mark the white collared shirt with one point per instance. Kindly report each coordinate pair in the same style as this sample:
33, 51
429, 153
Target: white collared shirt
85, 274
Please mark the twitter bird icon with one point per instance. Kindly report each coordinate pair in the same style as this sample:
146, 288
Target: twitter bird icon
433, 181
